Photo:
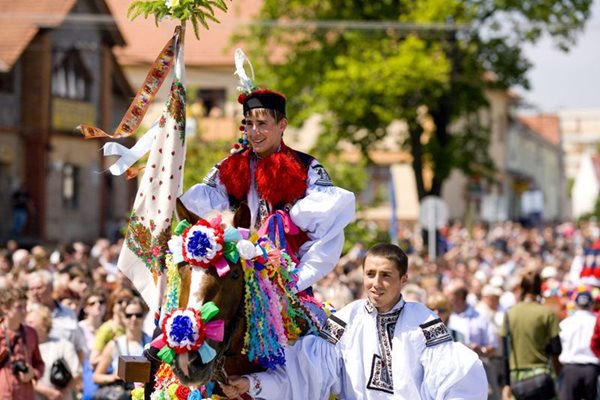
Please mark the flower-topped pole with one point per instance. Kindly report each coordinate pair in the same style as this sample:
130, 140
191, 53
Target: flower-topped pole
198, 12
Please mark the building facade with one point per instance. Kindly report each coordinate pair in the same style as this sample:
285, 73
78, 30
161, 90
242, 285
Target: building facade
58, 71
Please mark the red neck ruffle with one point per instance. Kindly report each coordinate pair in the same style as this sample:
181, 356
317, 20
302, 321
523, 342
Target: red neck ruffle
280, 178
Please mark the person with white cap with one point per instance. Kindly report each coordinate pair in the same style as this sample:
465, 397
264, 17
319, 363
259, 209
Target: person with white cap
489, 307
580, 366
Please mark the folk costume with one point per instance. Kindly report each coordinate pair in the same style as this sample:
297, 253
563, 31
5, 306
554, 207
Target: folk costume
289, 185
581, 366
406, 353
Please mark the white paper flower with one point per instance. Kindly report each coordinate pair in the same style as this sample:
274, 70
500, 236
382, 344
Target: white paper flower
246, 249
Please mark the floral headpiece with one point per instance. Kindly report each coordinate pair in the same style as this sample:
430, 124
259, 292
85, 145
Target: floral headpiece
207, 244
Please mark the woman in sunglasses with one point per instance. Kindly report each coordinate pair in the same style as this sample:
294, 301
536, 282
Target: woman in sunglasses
94, 308
114, 324
130, 344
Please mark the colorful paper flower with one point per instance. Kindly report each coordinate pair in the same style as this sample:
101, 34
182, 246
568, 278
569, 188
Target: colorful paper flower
183, 330
182, 392
202, 243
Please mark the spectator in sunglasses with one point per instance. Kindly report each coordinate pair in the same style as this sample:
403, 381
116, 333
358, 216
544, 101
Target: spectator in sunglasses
440, 304
94, 310
131, 343
115, 322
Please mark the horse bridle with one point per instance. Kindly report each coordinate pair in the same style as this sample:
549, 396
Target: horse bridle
219, 374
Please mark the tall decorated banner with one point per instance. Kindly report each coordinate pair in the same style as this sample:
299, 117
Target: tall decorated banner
143, 256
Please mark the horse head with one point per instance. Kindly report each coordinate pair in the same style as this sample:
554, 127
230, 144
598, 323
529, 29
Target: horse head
226, 290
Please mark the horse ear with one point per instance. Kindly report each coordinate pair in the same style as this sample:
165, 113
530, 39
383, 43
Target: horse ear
184, 213
242, 217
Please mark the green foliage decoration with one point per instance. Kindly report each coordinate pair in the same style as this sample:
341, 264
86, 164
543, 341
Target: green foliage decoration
198, 12
201, 157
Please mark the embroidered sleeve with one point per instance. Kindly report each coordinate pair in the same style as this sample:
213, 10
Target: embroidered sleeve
435, 332
323, 178
322, 214
333, 329
255, 385
211, 178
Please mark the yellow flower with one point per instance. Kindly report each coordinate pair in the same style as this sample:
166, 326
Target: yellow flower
172, 3
137, 393
171, 390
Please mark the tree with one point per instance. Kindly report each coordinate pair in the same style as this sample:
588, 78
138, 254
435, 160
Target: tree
201, 156
363, 64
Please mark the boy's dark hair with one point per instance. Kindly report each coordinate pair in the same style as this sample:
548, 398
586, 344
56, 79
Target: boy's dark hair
277, 116
392, 253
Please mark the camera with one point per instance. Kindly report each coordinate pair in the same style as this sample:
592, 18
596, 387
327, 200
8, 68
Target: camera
19, 366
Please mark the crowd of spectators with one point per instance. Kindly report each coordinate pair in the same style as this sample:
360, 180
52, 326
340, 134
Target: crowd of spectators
473, 284
75, 305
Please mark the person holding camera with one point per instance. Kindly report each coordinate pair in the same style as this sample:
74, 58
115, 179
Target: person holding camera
20, 360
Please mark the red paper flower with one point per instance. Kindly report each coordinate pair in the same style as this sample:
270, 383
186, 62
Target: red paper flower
182, 392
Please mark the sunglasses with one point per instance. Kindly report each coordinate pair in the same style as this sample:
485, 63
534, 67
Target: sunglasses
442, 310
93, 303
131, 315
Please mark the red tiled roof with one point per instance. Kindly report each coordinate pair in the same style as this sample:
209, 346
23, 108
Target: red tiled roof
547, 126
20, 21
145, 40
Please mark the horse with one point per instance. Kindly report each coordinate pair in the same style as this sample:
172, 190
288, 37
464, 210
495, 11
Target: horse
227, 292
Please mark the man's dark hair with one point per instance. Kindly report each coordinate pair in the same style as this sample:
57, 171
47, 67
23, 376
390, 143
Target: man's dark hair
392, 253
531, 283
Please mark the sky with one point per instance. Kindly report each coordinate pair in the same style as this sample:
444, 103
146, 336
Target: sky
563, 81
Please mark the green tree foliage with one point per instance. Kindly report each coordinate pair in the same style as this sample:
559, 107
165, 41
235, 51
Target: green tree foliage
592, 215
199, 12
200, 157
363, 64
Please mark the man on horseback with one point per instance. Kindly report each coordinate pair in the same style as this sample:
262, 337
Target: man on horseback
289, 193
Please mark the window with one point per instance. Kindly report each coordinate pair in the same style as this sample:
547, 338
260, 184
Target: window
70, 77
212, 100
7, 81
70, 186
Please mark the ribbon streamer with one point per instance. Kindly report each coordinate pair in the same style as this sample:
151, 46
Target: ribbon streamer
128, 157
139, 106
